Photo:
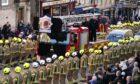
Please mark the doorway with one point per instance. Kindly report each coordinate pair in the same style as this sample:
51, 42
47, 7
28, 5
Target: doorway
20, 14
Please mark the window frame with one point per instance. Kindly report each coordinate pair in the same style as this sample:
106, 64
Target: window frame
5, 4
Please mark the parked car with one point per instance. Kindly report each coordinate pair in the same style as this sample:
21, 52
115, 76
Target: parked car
115, 35
137, 35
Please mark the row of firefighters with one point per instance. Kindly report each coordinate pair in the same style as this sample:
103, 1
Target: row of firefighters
56, 70
16, 50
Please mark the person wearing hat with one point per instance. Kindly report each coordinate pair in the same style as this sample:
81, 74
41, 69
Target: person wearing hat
106, 56
6, 50
131, 46
91, 63
16, 75
114, 53
28, 49
49, 71
13, 51
19, 40
1, 52
26, 73
35, 73
56, 70
70, 68
42, 72
6, 79
22, 52
75, 67
122, 48
63, 69
83, 65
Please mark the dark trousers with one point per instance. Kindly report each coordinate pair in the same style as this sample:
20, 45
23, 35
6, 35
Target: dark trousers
92, 34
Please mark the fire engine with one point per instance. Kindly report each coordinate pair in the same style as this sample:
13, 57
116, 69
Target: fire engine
73, 37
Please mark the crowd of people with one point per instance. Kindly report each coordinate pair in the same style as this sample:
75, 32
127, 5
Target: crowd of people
125, 72
22, 30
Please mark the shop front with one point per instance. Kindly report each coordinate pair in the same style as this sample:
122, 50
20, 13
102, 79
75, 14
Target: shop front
56, 9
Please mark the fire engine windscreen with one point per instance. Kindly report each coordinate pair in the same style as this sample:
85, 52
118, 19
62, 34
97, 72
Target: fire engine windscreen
56, 30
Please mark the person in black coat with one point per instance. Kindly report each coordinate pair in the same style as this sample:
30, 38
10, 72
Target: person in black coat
93, 26
6, 30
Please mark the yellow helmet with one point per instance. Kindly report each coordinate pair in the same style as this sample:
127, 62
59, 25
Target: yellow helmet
120, 41
1, 41
114, 44
81, 51
14, 39
110, 44
19, 40
96, 51
91, 50
26, 65
61, 58
6, 41
99, 51
6, 70
67, 54
18, 69
136, 39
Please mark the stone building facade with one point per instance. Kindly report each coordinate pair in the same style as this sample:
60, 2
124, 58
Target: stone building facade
13, 11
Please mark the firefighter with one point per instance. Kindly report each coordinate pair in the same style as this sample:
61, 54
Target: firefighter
1, 53
26, 74
6, 79
28, 49
49, 71
34, 57
121, 47
56, 70
96, 52
91, 63
16, 76
114, 52
13, 53
32, 51
35, 73
83, 65
131, 46
106, 56
22, 52
18, 56
70, 69
42, 72
6, 50
136, 49
63, 70
75, 67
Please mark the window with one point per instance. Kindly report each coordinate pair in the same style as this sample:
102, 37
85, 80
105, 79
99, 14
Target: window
5, 2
